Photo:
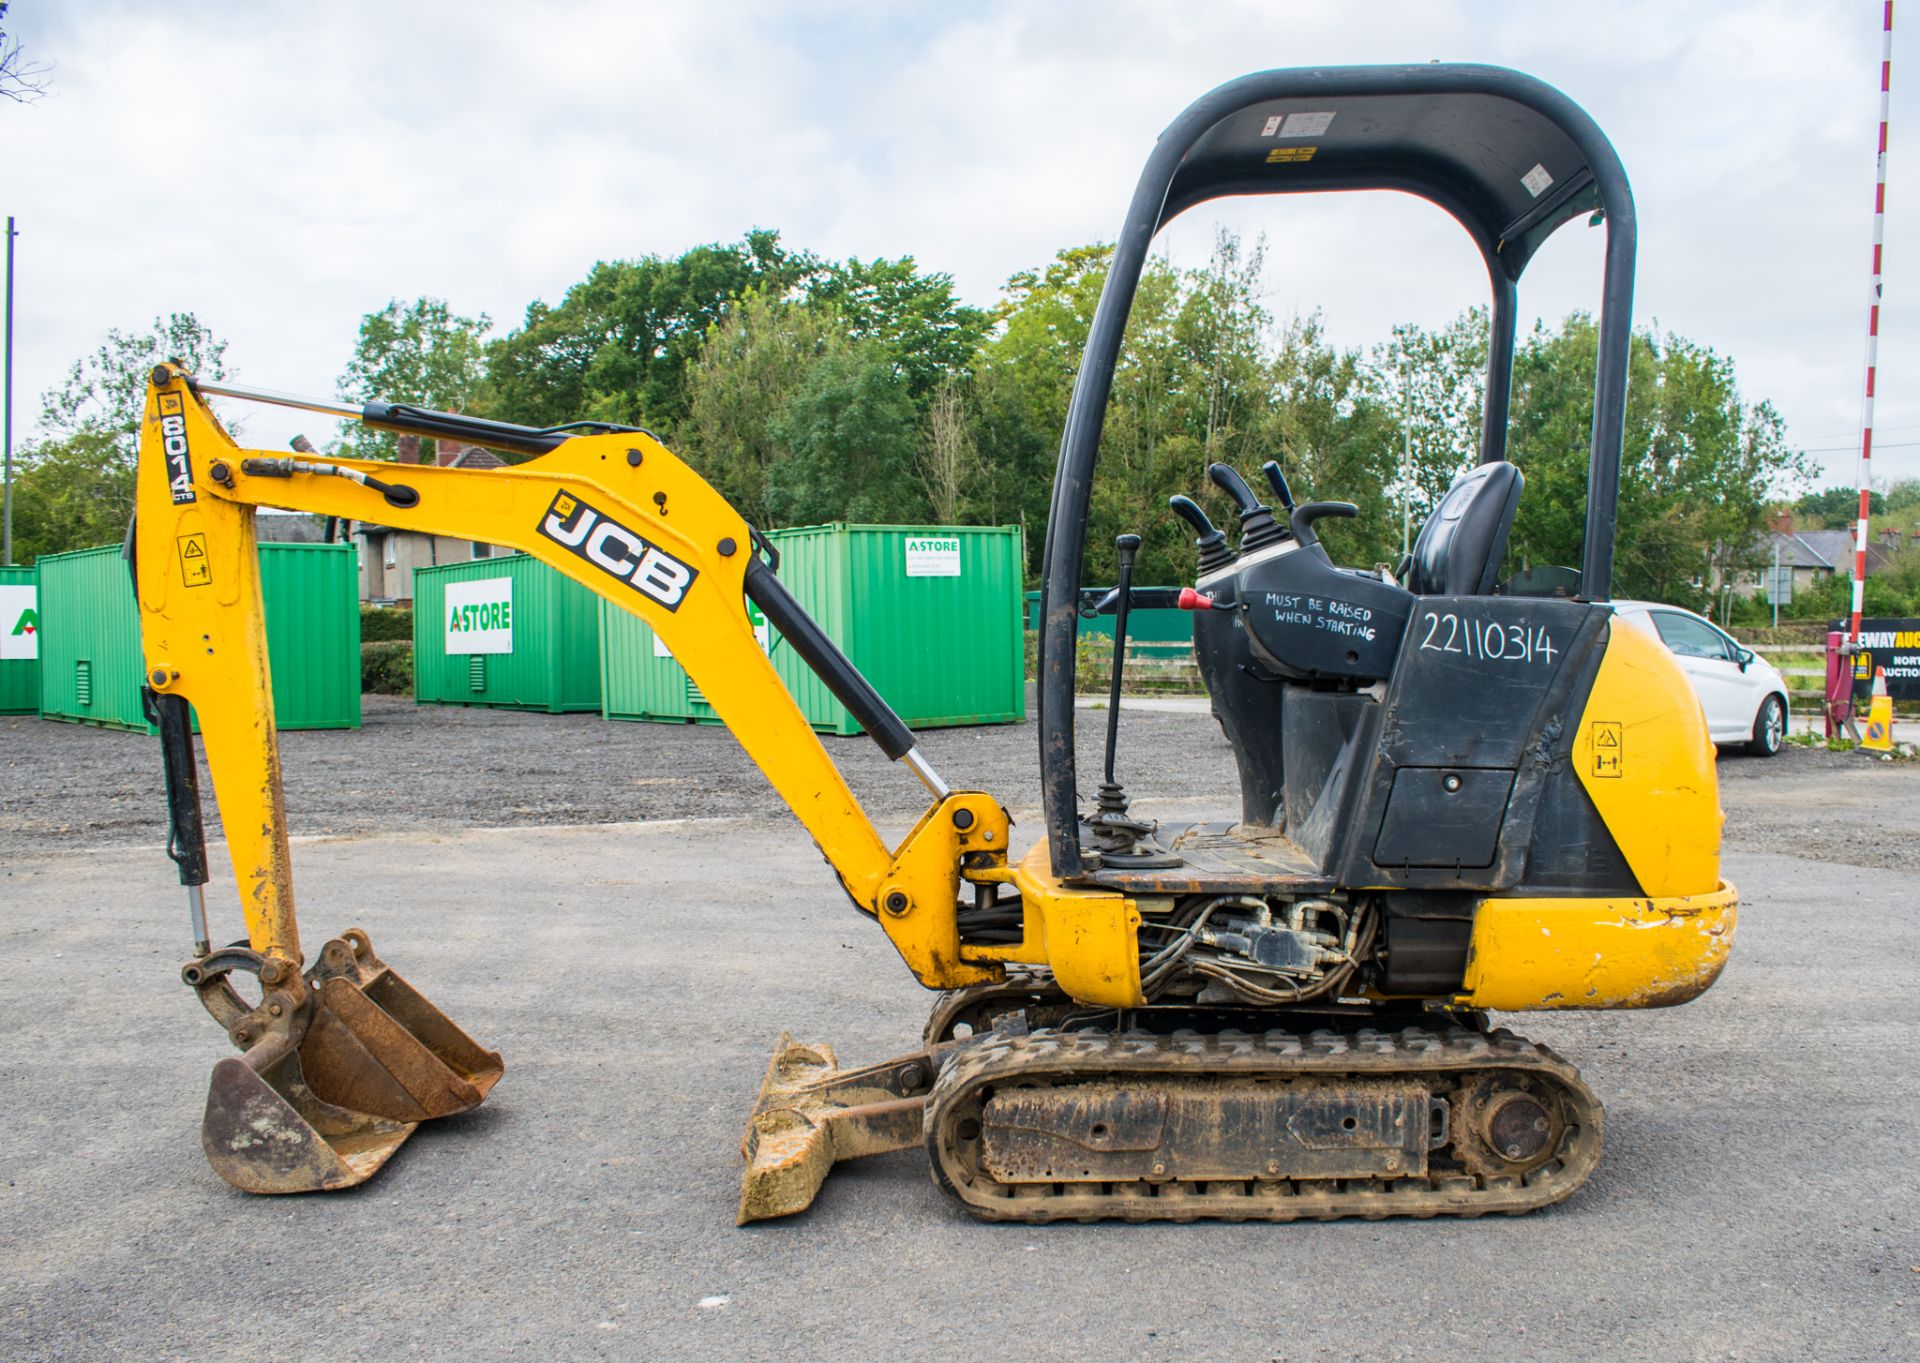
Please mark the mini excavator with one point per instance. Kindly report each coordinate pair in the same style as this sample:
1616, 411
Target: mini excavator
1455, 798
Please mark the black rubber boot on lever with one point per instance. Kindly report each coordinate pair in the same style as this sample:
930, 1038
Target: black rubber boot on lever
1209, 541
1258, 528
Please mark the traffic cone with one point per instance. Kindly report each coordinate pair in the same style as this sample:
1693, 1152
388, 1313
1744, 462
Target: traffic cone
1877, 734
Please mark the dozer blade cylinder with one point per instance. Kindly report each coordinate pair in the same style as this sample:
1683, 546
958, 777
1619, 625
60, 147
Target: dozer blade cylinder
266, 1132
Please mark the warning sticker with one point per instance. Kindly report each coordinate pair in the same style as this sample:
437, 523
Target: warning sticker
1537, 180
195, 570
1609, 747
1287, 155
1298, 125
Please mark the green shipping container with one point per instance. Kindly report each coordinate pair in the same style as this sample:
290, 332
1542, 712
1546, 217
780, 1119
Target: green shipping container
19, 643
929, 614
510, 632
90, 658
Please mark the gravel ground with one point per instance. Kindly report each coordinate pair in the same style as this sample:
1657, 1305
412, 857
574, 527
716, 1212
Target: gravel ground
1755, 1201
440, 769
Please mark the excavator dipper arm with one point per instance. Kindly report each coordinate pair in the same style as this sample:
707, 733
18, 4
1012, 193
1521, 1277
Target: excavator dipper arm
340, 1061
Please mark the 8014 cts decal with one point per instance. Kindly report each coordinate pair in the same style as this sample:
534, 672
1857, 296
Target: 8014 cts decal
173, 439
617, 551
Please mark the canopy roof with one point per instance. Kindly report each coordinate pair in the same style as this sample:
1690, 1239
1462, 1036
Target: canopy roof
1485, 144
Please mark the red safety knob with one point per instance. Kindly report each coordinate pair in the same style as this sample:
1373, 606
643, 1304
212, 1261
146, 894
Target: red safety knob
1190, 600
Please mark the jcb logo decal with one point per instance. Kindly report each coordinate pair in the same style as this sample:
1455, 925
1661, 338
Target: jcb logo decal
173, 440
617, 551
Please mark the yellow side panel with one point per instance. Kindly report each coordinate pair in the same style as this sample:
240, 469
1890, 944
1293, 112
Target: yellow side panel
1092, 937
1645, 759
1598, 953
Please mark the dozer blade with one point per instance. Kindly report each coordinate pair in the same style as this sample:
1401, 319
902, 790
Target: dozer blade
811, 1114
266, 1132
377, 1046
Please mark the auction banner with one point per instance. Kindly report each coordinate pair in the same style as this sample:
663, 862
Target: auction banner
1890, 644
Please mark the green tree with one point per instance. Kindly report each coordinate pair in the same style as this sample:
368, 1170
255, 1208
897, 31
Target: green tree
73, 486
753, 363
852, 429
1025, 375
1201, 377
619, 345
106, 391
70, 493
1336, 441
1223, 331
1433, 384
1699, 465
913, 317
1840, 506
949, 460
421, 353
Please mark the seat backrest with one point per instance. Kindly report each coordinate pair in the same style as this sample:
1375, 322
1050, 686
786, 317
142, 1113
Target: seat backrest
1461, 545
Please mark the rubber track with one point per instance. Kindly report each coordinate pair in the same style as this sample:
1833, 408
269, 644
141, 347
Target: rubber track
1450, 1057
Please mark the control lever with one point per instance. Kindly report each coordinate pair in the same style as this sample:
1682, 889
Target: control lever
1278, 482
1215, 552
1128, 545
1306, 514
1118, 838
1227, 478
1257, 525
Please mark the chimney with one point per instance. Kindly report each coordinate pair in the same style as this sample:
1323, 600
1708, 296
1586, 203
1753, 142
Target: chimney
1783, 520
407, 449
447, 450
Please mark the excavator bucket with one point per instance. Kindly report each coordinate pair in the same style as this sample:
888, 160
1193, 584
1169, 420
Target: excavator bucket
266, 1132
811, 1114
334, 1079
377, 1046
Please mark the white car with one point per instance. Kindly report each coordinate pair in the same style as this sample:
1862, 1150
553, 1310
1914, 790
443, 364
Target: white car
1744, 696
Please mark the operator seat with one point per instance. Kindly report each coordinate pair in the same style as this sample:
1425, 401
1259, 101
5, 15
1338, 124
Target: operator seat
1461, 545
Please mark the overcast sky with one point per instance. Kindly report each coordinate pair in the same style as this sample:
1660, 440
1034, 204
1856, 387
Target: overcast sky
281, 167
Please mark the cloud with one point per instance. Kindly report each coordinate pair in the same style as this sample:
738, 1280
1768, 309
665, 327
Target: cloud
282, 168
